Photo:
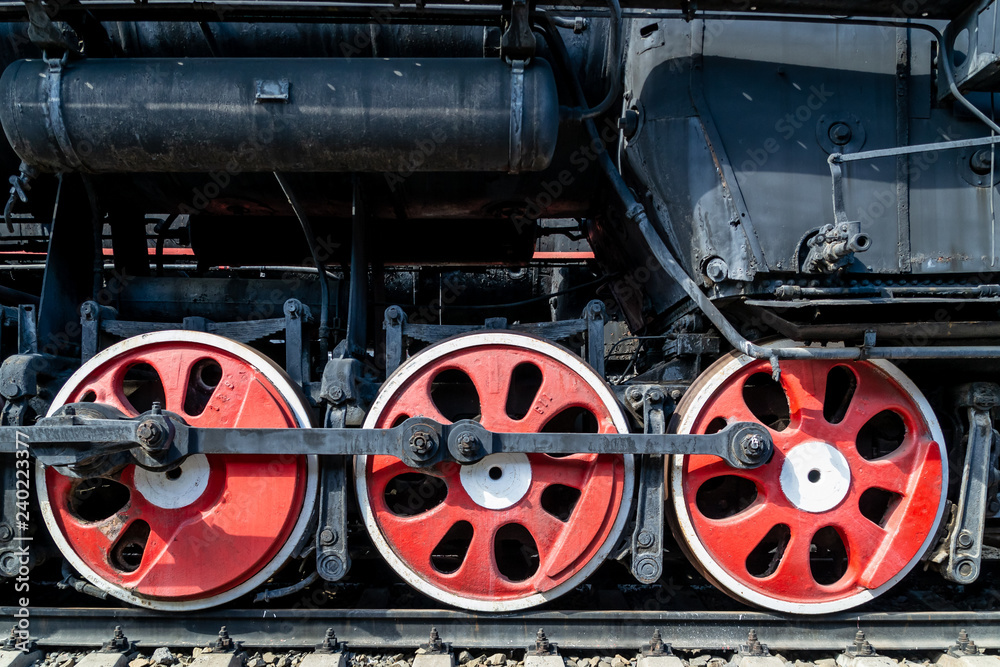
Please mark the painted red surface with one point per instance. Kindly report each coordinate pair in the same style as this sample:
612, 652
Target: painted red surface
875, 554
236, 526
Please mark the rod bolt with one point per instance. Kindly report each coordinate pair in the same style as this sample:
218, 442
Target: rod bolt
328, 536
467, 444
6, 533
421, 443
965, 539
149, 434
655, 395
753, 445
644, 538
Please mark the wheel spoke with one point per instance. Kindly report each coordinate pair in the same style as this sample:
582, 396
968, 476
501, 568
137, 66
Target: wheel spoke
862, 537
751, 525
701, 469
174, 369
573, 471
888, 475
491, 375
805, 386
559, 392
794, 572
415, 402
113, 396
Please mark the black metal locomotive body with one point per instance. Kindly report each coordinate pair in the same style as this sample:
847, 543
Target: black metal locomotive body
231, 222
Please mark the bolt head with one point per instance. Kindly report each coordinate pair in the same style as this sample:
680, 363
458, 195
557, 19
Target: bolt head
965, 539
753, 444
644, 538
330, 567
420, 443
8, 564
981, 161
6, 533
840, 133
648, 568
966, 569
716, 269
149, 434
467, 444
655, 395
634, 394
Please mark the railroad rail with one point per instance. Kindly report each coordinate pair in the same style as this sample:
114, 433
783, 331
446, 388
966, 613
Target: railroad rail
592, 630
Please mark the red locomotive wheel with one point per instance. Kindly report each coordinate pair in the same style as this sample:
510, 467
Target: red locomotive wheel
849, 502
211, 529
512, 530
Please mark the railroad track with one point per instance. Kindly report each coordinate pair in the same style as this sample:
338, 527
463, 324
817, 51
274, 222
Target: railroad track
399, 630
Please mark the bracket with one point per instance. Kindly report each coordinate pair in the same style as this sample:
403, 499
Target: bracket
594, 315
518, 41
296, 347
965, 539
332, 557
647, 538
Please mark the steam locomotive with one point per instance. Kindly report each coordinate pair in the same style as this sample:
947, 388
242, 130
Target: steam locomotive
498, 302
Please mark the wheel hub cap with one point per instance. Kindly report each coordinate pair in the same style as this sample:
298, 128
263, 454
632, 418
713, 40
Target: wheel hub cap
498, 481
815, 477
175, 488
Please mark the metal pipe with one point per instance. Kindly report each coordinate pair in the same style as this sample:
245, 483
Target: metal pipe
615, 58
232, 115
357, 314
889, 292
273, 593
324, 288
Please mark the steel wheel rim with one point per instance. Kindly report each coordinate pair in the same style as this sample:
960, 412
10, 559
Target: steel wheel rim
687, 533
298, 411
515, 342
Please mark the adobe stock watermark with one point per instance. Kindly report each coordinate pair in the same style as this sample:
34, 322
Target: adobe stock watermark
22, 551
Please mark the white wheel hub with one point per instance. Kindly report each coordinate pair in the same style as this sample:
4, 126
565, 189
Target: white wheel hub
175, 488
498, 481
815, 477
